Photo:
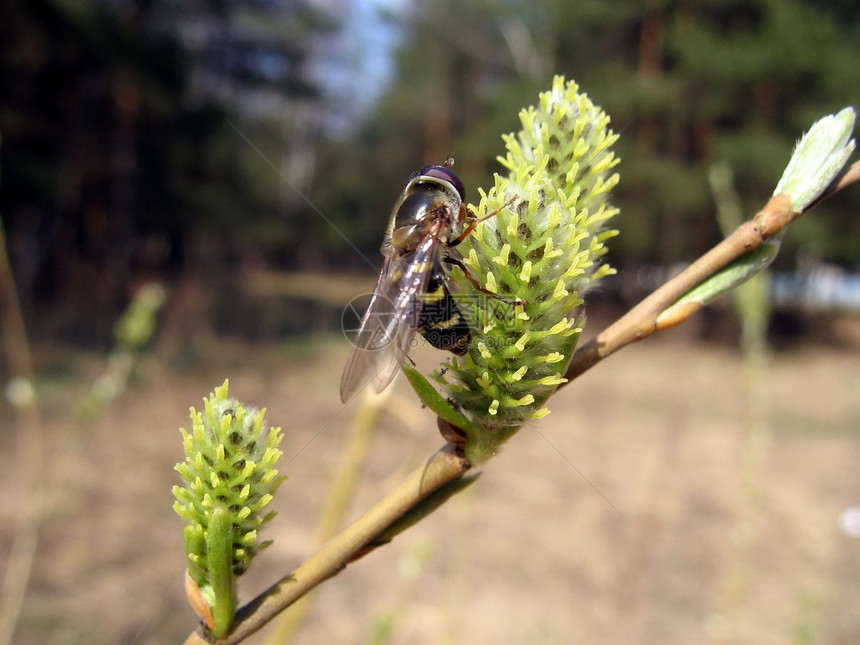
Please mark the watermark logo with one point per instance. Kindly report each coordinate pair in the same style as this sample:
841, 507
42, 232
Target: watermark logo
379, 328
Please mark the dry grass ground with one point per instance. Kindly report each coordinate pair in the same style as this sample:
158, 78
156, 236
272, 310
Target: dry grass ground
644, 509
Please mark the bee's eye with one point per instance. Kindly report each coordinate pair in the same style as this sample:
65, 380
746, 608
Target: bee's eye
445, 174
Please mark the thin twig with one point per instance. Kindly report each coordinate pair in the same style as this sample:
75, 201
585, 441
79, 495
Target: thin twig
652, 315
444, 467
642, 321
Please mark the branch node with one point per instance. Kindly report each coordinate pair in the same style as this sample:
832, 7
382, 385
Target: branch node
774, 216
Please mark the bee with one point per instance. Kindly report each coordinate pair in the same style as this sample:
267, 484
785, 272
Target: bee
411, 293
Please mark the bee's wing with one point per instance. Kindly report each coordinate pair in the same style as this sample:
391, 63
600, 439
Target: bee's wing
373, 356
388, 325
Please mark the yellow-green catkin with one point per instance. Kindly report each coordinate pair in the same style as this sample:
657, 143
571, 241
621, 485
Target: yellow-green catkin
541, 249
230, 478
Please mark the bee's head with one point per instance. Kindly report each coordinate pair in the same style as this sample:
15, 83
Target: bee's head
432, 193
443, 176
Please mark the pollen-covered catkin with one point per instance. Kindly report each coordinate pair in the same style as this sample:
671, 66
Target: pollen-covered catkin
541, 251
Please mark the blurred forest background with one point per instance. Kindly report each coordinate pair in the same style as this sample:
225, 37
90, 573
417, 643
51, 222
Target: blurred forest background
245, 155
197, 143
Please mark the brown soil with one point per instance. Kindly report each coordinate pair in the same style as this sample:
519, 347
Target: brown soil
645, 509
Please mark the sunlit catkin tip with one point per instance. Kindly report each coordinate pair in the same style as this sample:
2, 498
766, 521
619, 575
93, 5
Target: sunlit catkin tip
502, 258
539, 252
519, 374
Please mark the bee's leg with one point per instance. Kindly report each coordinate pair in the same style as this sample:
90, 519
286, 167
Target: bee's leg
471, 278
473, 223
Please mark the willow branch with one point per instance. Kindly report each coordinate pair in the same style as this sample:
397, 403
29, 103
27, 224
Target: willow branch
353, 542
656, 313
848, 177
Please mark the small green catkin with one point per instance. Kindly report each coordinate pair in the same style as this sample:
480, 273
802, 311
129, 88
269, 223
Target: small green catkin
230, 478
542, 250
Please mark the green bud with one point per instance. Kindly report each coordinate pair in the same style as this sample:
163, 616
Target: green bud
818, 159
230, 478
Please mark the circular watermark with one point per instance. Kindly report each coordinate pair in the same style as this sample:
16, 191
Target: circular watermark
380, 327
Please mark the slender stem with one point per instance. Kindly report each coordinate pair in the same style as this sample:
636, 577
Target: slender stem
644, 319
650, 315
444, 467
342, 488
219, 541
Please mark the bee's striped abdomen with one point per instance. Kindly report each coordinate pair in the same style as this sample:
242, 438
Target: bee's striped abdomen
440, 320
